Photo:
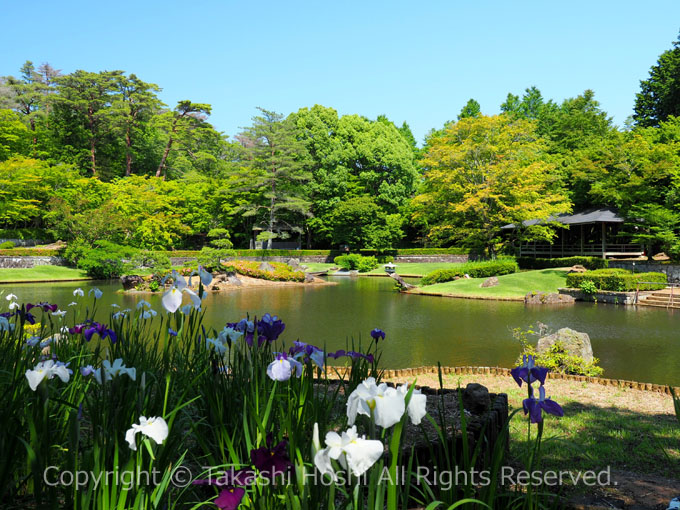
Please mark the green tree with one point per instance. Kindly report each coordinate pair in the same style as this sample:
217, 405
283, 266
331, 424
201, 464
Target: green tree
360, 223
471, 109
279, 173
659, 96
15, 137
481, 174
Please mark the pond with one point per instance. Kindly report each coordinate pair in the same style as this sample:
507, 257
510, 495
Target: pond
641, 344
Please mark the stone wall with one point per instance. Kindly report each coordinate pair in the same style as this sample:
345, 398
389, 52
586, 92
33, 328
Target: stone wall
26, 262
671, 270
24, 242
601, 296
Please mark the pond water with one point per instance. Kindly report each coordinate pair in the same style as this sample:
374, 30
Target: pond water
641, 344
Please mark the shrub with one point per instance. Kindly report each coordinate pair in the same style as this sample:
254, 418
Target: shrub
483, 269
354, 261
618, 280
556, 359
282, 272
7, 245
105, 261
158, 261
588, 287
76, 250
542, 263
30, 252
211, 258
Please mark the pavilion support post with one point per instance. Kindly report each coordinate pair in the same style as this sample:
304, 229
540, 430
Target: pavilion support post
581, 240
604, 240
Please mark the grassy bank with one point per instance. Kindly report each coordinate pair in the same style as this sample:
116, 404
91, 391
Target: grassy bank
511, 286
629, 430
403, 268
41, 273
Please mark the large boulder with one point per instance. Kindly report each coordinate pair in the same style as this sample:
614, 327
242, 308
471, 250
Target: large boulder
548, 298
578, 268
293, 263
131, 281
266, 266
574, 342
476, 398
490, 282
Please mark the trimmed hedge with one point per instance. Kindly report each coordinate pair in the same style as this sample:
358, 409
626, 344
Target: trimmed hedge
354, 261
29, 252
329, 253
483, 269
282, 272
541, 263
619, 280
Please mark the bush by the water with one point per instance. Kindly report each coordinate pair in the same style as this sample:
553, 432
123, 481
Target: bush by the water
105, 260
157, 261
281, 273
541, 263
354, 261
556, 359
210, 258
619, 280
482, 269
7, 245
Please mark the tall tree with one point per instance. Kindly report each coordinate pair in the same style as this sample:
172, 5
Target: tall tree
85, 98
136, 101
659, 95
471, 109
483, 173
278, 160
186, 116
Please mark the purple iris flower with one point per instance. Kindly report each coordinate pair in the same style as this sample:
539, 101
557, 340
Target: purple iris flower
89, 328
172, 332
87, 370
269, 328
351, 354
378, 334
230, 498
529, 372
271, 461
533, 407
307, 352
45, 306
246, 327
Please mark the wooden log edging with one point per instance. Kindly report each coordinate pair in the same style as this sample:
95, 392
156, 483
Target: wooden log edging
619, 383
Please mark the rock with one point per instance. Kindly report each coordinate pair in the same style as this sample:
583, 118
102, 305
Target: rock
548, 298
574, 343
131, 281
476, 398
215, 287
309, 278
233, 280
266, 266
400, 282
490, 282
294, 263
578, 268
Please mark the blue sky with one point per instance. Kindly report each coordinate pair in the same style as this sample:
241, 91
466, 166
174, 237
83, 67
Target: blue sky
413, 61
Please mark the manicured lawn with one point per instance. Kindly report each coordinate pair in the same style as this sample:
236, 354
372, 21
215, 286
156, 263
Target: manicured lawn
510, 286
41, 273
403, 268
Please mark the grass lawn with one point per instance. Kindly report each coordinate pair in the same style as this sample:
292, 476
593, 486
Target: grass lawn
515, 285
629, 430
403, 268
41, 273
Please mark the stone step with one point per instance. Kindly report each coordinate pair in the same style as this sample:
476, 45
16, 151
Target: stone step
675, 306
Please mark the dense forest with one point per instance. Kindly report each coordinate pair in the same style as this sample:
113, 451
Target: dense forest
97, 156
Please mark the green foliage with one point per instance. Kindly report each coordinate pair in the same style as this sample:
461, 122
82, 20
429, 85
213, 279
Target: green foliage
542, 263
76, 250
619, 280
30, 252
471, 109
658, 96
588, 287
211, 258
105, 260
7, 245
158, 261
355, 261
281, 273
360, 223
482, 269
154, 285
556, 359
